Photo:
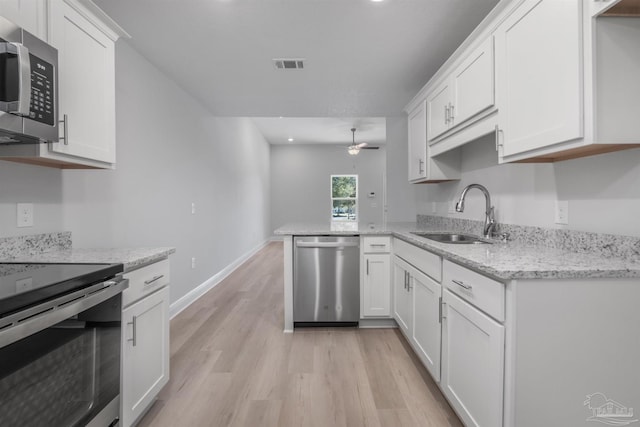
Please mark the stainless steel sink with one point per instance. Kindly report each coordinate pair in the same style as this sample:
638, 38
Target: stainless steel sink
460, 239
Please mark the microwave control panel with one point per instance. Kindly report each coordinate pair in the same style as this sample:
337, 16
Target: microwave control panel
42, 91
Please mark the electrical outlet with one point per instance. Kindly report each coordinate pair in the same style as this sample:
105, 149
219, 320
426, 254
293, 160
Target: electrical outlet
193, 208
25, 215
193, 262
562, 212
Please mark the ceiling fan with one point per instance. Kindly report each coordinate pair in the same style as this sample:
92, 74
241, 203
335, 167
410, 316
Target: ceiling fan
354, 148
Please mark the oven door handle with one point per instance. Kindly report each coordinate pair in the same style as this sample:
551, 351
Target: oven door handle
23, 104
19, 325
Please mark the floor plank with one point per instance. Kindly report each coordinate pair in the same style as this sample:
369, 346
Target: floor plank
231, 365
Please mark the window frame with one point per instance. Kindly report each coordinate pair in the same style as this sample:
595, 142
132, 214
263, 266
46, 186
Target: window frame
355, 199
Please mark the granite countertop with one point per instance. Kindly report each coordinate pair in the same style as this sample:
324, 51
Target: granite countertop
500, 260
132, 258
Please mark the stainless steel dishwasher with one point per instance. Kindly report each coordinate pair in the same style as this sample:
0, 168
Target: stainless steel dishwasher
326, 281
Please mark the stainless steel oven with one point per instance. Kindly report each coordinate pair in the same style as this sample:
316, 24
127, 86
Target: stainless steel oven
28, 87
60, 341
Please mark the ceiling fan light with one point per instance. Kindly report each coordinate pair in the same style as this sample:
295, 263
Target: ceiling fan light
353, 150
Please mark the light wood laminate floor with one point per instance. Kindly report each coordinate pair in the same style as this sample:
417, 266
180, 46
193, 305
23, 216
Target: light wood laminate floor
231, 365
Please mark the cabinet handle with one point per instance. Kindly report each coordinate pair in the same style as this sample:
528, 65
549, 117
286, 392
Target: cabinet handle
406, 274
442, 307
462, 284
65, 129
439, 309
498, 143
420, 166
155, 278
367, 267
133, 322
446, 114
451, 115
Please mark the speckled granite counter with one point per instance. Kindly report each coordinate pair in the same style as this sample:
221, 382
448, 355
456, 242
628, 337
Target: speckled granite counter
132, 258
57, 248
520, 259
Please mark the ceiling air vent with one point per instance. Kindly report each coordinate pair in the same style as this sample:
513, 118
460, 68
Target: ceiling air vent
289, 64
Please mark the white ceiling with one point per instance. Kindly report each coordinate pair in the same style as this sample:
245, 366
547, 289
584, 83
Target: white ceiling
322, 130
363, 58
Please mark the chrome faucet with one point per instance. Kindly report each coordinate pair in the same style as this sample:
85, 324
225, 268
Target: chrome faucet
489, 220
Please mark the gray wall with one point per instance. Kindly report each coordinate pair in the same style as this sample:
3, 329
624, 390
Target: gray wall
401, 195
300, 182
170, 153
30, 184
603, 191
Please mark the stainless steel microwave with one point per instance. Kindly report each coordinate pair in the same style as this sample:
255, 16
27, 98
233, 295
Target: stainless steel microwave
28, 87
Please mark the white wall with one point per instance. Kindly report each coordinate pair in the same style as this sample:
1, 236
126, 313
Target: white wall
30, 184
603, 191
401, 195
172, 153
300, 182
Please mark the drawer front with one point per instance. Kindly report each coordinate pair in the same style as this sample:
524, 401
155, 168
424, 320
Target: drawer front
146, 280
486, 294
425, 261
376, 244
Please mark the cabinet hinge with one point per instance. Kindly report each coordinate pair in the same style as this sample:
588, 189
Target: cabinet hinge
440, 310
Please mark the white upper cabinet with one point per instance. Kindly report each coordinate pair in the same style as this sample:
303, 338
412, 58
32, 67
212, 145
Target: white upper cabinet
418, 143
29, 14
422, 166
473, 83
540, 75
465, 93
85, 38
86, 83
438, 106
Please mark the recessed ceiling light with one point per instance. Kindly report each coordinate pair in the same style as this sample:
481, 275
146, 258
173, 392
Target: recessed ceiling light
376, 1
290, 139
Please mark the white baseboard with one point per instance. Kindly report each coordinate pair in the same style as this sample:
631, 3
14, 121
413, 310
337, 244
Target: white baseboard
276, 238
191, 297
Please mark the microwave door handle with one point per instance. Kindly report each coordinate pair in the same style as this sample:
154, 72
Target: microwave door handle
23, 104
24, 79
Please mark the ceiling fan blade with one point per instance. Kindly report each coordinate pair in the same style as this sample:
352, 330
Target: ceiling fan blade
362, 145
369, 148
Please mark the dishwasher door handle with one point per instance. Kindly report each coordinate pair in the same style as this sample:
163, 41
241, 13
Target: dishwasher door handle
326, 244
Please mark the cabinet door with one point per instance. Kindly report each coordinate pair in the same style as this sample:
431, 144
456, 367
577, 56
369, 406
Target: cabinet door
418, 142
29, 14
472, 363
539, 66
86, 85
401, 296
426, 333
473, 84
376, 291
438, 111
145, 353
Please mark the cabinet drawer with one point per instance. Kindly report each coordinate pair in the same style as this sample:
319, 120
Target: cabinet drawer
145, 280
373, 244
425, 261
484, 293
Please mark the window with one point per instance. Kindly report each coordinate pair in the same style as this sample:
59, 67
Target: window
344, 197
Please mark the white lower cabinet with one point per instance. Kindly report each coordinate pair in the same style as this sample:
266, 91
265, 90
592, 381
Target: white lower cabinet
375, 290
145, 340
417, 305
402, 306
426, 332
472, 363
